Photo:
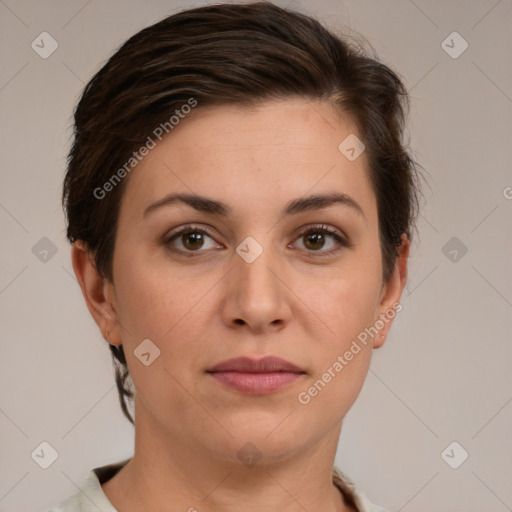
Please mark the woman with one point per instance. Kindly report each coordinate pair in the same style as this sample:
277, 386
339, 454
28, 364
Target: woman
240, 207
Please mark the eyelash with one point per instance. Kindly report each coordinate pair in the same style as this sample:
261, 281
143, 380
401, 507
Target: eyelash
319, 228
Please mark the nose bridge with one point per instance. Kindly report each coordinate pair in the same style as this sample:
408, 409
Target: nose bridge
255, 293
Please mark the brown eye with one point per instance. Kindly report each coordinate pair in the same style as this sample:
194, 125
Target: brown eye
190, 240
314, 241
322, 239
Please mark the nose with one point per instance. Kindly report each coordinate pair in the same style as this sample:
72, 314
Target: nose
256, 296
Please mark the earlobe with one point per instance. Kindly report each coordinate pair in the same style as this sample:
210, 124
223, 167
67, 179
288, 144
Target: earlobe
95, 289
392, 292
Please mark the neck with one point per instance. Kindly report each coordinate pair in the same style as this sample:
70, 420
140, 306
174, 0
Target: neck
165, 471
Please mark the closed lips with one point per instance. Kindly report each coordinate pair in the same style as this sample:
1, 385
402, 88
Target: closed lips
269, 364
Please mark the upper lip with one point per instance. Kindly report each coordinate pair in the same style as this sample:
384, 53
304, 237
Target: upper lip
248, 365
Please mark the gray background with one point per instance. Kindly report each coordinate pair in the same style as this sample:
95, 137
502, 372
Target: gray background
444, 373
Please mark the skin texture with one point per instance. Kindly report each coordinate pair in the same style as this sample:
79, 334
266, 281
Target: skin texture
290, 302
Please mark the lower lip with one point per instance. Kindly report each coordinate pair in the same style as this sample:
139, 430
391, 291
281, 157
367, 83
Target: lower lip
256, 383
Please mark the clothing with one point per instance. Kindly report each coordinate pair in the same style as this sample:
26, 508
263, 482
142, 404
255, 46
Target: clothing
91, 498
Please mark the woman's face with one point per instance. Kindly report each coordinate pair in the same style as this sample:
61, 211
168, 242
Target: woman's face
256, 284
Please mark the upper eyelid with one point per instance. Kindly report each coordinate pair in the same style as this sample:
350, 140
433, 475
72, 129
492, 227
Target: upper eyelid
189, 228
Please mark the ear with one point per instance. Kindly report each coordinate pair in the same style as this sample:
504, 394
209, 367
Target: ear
391, 293
98, 292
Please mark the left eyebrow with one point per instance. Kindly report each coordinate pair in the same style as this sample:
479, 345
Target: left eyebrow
294, 207
319, 201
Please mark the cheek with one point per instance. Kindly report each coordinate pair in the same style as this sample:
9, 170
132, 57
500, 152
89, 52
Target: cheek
343, 354
158, 303
346, 308
330, 393
153, 300
347, 303
168, 311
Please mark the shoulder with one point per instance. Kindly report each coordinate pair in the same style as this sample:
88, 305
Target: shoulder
90, 496
353, 495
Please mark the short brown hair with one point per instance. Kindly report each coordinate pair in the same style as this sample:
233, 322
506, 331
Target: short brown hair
231, 54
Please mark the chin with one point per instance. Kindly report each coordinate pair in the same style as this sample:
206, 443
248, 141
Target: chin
264, 438
249, 451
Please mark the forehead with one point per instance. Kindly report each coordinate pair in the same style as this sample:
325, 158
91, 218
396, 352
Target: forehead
264, 155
